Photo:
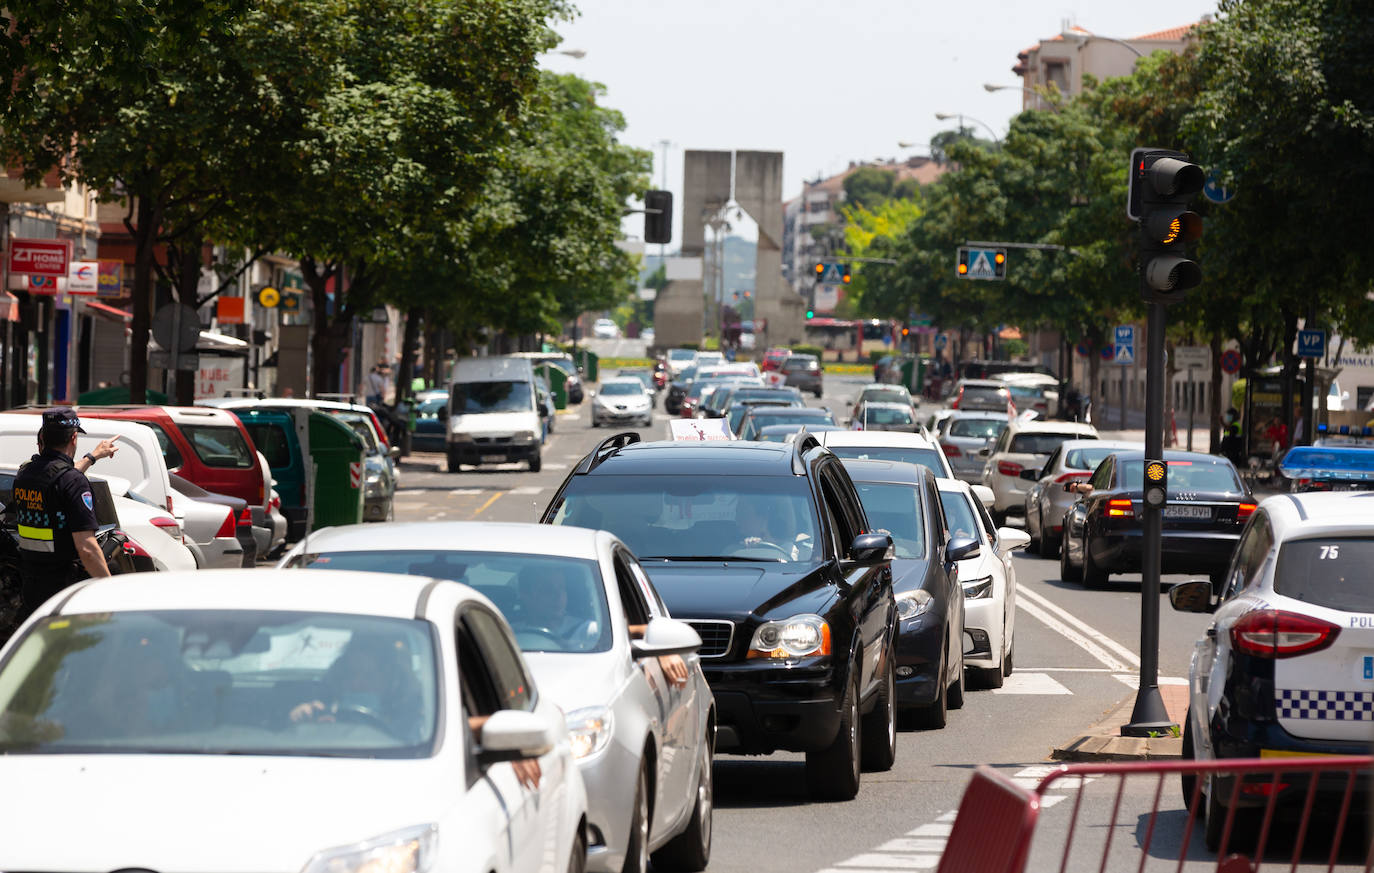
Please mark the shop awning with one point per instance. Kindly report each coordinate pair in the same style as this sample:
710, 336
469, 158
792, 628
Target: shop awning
9, 307
108, 311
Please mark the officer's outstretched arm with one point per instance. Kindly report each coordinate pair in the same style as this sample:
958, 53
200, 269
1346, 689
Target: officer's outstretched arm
89, 551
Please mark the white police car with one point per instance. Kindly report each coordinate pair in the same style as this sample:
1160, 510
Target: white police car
1287, 667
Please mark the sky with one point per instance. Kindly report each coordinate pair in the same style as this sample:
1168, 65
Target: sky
824, 82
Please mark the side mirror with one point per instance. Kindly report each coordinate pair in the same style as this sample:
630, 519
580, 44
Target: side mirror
1012, 538
666, 636
1195, 595
962, 547
870, 550
512, 734
395, 453
1030, 475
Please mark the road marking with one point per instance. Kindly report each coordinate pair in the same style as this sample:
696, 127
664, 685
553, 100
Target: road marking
465, 492
555, 466
1072, 635
483, 508
1022, 682
1123, 652
1132, 680
523, 490
874, 861
1065, 669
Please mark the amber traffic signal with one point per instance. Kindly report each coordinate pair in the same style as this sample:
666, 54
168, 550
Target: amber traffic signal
1162, 184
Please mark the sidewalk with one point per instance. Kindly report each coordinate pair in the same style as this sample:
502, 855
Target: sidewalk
1103, 741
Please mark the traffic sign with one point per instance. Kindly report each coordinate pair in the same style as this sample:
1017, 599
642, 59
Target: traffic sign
1230, 361
1215, 192
981, 263
1192, 357
1124, 344
1311, 343
941, 341
176, 327
83, 278
830, 273
269, 297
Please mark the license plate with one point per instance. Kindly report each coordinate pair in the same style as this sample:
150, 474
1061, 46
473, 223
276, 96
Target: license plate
1202, 512
492, 459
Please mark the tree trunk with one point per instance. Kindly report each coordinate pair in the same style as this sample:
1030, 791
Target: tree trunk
186, 280
329, 335
409, 340
144, 232
1290, 368
1214, 404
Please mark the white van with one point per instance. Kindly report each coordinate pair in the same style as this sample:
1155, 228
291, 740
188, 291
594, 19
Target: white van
494, 413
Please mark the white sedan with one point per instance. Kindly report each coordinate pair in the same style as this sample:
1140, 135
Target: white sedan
989, 582
602, 645
334, 723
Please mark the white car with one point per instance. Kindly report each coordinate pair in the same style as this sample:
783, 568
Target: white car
605, 328
679, 360
1287, 666
1024, 445
336, 720
886, 445
590, 624
988, 578
1046, 500
622, 400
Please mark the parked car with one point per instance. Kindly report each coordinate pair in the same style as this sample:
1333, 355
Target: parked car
981, 394
900, 500
963, 434
1207, 506
240, 679
758, 417
622, 401
759, 547
431, 423
804, 372
218, 528
987, 577
1047, 502
1024, 445
898, 417
1283, 668
592, 629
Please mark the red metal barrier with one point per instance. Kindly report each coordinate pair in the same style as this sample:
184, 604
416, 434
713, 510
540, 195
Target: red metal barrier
997, 818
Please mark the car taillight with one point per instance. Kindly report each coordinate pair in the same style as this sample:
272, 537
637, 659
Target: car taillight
1243, 512
951, 450
168, 525
381, 431
1007, 468
1274, 633
131, 547
226, 527
1120, 509
169, 505
246, 517
1073, 477
275, 505
954, 404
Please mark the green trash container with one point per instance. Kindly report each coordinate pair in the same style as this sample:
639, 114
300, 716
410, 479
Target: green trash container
558, 382
914, 375
589, 363
336, 457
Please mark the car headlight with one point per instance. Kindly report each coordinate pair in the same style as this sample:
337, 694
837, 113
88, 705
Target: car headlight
913, 603
978, 589
795, 637
410, 850
524, 436
589, 730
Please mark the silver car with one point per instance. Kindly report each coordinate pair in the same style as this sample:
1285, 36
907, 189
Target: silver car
1047, 501
601, 644
964, 434
210, 531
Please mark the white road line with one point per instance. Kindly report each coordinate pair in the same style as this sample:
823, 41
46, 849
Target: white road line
1125, 653
526, 490
555, 466
1073, 635
931, 830
465, 492
1065, 669
1022, 682
874, 861
1132, 680
909, 845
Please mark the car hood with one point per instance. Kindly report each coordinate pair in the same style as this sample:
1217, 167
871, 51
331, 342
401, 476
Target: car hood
576, 680
908, 574
492, 422
627, 400
701, 589
205, 812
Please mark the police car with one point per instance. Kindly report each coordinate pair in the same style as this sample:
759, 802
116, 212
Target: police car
1287, 667
1338, 460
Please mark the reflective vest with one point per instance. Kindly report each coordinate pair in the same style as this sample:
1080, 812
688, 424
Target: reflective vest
39, 507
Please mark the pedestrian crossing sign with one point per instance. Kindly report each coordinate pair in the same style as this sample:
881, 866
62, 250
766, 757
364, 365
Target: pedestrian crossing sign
976, 263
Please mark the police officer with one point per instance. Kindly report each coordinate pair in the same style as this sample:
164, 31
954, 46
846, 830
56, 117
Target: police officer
56, 513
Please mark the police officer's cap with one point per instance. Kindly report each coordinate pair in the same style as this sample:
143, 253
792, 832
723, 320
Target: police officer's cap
62, 417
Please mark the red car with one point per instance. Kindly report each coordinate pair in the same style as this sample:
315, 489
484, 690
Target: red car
773, 358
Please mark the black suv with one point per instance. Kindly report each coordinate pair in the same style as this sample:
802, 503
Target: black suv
764, 549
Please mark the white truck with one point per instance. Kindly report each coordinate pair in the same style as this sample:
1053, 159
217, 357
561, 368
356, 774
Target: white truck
494, 413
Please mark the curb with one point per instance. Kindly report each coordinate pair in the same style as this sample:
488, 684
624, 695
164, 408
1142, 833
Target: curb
1103, 741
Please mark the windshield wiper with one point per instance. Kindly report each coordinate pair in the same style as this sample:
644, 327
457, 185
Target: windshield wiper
708, 558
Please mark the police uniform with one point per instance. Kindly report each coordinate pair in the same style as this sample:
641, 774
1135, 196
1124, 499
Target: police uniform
52, 500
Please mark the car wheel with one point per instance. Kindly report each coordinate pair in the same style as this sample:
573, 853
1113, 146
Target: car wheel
1093, 575
818, 392
936, 715
1188, 781
637, 849
1034, 546
1009, 662
577, 858
1244, 822
690, 851
880, 726
1067, 571
1049, 545
832, 773
595, 423
536, 463
956, 689
453, 463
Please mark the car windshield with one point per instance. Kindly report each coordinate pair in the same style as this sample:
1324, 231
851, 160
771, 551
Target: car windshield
432, 407
928, 458
478, 397
977, 428
681, 354
983, 395
959, 515
1199, 475
1040, 443
1328, 571
621, 388
554, 604
221, 682
895, 509
885, 395
1032, 392
271, 439
885, 415
700, 517
220, 446
1086, 459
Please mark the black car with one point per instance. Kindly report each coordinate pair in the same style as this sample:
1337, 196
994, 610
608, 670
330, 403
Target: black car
677, 389
903, 501
764, 549
1206, 508
756, 418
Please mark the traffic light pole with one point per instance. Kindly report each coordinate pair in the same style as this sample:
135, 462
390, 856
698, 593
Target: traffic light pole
1150, 717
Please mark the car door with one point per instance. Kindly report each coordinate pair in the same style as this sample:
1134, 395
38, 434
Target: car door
1102, 482
871, 587
990, 464
494, 678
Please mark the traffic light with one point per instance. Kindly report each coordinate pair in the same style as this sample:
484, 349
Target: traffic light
1162, 183
906, 331
810, 314
1156, 484
844, 273
976, 263
658, 217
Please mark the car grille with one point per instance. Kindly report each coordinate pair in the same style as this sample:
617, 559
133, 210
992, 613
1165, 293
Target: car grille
715, 637
492, 441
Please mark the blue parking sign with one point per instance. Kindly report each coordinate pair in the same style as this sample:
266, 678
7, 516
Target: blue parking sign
1124, 344
1311, 343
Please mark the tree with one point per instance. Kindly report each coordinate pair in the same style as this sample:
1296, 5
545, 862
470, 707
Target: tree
866, 187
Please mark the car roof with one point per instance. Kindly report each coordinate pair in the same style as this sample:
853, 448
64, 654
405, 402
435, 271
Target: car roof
1111, 445
876, 439
290, 590
764, 410
1052, 427
289, 402
885, 404
737, 457
958, 485
884, 386
468, 536
1320, 512
818, 427
975, 413
982, 383
896, 472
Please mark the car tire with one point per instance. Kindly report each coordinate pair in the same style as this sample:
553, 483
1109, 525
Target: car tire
1093, 575
1035, 544
577, 858
1049, 546
1009, 662
1244, 824
1188, 781
955, 696
537, 462
690, 851
832, 773
818, 392
1068, 572
935, 716
453, 464
879, 742
637, 846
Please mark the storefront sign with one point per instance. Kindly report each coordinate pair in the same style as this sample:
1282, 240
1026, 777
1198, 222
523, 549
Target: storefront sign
42, 257
83, 278
111, 279
229, 310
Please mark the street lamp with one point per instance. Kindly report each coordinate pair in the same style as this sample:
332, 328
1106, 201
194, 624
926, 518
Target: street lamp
1039, 98
946, 116
1081, 37
903, 144
572, 53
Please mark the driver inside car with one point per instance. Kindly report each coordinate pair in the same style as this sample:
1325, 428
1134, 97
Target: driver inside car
370, 683
759, 525
543, 607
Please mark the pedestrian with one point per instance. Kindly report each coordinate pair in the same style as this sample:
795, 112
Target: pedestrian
376, 384
56, 512
1232, 446
1277, 433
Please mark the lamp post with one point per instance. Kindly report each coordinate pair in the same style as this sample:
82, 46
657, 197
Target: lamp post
1039, 98
579, 54
1082, 37
946, 116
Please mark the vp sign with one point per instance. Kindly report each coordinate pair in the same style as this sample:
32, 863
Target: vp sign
1124, 344
1311, 343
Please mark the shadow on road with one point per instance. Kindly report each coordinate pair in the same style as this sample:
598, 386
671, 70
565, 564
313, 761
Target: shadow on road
742, 783
1279, 846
